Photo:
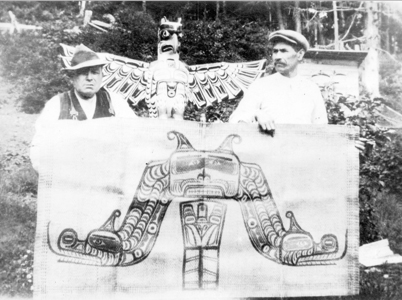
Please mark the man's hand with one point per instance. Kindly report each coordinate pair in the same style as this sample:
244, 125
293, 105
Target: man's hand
360, 144
266, 122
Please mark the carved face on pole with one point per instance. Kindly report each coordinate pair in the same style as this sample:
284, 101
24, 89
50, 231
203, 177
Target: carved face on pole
169, 36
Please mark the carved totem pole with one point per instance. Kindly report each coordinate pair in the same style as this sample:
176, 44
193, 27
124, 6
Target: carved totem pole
167, 84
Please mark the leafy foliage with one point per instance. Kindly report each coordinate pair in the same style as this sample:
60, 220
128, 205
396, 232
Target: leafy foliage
29, 61
381, 283
135, 37
18, 190
380, 167
388, 209
391, 81
234, 32
230, 41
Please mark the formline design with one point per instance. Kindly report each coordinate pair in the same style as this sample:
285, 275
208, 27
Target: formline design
202, 225
209, 177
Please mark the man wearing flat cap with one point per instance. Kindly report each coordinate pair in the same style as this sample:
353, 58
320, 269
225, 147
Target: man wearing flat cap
284, 97
85, 101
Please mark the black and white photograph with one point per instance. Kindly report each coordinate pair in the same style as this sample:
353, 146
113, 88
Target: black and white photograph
201, 150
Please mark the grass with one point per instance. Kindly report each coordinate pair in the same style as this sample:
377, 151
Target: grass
18, 187
389, 213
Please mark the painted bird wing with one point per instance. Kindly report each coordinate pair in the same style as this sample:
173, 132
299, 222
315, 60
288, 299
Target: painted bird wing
124, 76
222, 81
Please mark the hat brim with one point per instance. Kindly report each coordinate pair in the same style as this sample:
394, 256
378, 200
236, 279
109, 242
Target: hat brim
89, 63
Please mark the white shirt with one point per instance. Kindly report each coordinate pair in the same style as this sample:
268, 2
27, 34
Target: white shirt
51, 113
287, 100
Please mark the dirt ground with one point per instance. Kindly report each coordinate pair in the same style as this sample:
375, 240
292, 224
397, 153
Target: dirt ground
16, 128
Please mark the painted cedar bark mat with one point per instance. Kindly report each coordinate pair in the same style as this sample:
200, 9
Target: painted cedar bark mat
169, 209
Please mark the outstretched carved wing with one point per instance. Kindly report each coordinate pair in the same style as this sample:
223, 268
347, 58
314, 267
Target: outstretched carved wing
124, 76
222, 81
207, 83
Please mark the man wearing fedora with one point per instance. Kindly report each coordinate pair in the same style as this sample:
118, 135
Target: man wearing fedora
284, 97
85, 101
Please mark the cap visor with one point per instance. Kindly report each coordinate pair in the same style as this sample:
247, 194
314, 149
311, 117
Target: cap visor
281, 37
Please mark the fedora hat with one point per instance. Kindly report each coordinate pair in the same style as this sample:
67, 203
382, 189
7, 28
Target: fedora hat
84, 57
289, 36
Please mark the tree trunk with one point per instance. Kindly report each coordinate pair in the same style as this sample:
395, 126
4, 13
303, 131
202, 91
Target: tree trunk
370, 74
217, 11
336, 30
82, 6
319, 35
279, 15
387, 34
205, 13
144, 6
270, 16
224, 9
296, 16
316, 26
342, 16
87, 17
268, 5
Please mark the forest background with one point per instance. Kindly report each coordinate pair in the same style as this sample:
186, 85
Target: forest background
214, 31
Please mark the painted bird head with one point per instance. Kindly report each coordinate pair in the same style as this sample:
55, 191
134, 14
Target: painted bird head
169, 36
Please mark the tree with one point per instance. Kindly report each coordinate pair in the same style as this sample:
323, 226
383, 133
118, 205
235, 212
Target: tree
370, 76
217, 10
297, 17
281, 24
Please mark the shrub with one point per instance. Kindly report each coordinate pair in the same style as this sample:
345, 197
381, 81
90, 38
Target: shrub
391, 83
381, 283
388, 208
380, 165
18, 189
28, 60
217, 41
135, 36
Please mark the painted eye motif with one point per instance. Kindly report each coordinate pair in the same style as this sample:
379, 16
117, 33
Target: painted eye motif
194, 162
98, 242
165, 34
68, 238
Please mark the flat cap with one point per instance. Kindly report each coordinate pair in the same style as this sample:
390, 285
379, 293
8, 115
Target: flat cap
290, 36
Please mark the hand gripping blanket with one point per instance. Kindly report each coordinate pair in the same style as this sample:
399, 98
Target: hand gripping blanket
163, 209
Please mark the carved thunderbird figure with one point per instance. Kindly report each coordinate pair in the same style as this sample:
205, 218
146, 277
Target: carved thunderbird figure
167, 84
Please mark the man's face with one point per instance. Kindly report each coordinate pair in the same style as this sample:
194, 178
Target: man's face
286, 59
87, 81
